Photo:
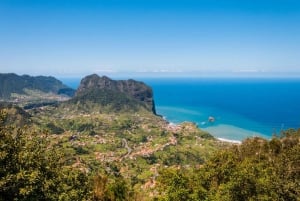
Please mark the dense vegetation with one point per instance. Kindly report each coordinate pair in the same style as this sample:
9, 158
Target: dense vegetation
255, 170
108, 100
14, 84
106, 152
38, 165
31, 170
107, 144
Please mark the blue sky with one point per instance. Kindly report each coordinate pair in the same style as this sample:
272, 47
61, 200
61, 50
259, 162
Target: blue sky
165, 37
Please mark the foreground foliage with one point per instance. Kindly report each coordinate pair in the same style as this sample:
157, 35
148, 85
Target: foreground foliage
29, 170
255, 170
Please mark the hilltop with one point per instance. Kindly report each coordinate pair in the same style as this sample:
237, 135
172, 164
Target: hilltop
27, 89
114, 95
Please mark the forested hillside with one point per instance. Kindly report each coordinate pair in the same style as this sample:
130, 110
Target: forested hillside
38, 165
257, 169
14, 87
107, 144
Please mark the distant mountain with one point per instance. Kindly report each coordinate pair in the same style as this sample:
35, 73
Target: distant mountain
115, 94
12, 84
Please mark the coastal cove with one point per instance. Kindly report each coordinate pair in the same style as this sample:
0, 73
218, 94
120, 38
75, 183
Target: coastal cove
241, 108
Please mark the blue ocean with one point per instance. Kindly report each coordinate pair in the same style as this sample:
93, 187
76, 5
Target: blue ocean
240, 108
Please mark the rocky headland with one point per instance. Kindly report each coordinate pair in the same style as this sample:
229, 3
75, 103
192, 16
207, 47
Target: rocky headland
115, 94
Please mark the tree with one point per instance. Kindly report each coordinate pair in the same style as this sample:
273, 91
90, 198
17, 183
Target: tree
257, 169
110, 188
174, 185
30, 169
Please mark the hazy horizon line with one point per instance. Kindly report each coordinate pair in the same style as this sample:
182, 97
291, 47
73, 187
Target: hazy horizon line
166, 74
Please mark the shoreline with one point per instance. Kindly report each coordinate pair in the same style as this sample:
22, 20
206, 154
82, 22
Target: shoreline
232, 133
226, 125
230, 141
225, 132
175, 125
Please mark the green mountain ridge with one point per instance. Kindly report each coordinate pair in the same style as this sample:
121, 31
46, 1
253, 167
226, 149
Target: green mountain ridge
12, 84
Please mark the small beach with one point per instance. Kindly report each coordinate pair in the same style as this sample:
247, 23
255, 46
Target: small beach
219, 127
232, 133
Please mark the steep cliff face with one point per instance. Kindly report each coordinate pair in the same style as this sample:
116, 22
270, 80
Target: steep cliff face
118, 93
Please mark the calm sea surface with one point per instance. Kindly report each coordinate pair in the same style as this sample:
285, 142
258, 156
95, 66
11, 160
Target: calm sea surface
240, 107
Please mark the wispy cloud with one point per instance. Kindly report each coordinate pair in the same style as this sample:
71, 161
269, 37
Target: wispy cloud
159, 71
105, 70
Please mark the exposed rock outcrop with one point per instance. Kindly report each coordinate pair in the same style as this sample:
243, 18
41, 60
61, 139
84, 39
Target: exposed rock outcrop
119, 94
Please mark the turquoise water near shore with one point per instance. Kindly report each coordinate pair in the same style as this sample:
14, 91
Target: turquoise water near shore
241, 107
226, 125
